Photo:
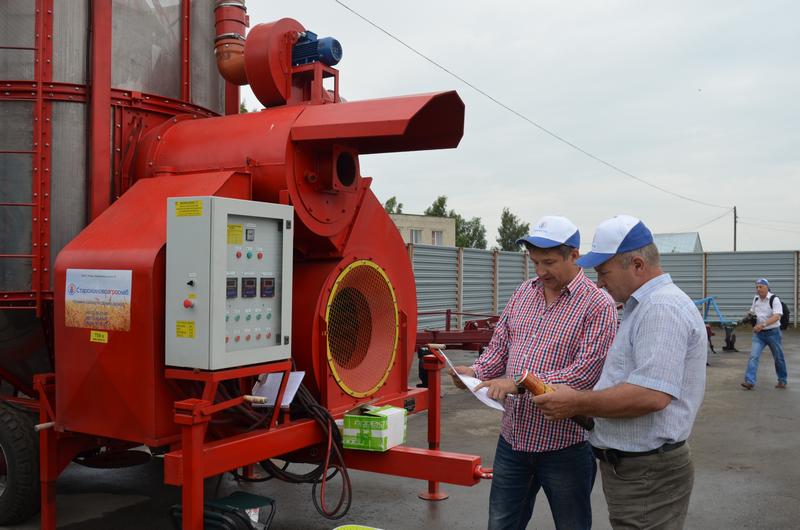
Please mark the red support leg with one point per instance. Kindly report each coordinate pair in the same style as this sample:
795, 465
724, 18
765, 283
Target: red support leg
433, 366
188, 415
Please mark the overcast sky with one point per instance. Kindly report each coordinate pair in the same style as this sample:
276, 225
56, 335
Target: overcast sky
701, 98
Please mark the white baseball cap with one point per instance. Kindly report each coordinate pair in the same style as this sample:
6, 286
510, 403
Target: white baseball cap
621, 233
552, 231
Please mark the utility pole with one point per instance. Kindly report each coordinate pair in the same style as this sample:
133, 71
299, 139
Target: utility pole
735, 218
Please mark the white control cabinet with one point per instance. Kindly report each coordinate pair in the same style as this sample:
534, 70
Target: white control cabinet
229, 282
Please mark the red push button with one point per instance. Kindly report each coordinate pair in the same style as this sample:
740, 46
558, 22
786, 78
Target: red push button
258, 336
238, 254
260, 255
188, 304
269, 335
247, 337
237, 338
227, 339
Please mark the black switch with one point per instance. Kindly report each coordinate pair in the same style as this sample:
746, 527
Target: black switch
190, 283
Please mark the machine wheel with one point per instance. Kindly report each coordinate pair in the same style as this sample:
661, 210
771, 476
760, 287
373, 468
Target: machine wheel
19, 465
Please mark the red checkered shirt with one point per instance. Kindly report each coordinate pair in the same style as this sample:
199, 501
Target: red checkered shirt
563, 343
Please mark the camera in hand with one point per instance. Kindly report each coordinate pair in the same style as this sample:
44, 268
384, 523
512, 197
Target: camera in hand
750, 318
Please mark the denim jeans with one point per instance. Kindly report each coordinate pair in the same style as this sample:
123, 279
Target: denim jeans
566, 475
771, 338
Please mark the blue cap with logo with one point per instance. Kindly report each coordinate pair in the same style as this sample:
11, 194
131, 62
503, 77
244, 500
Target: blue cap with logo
553, 231
762, 281
621, 233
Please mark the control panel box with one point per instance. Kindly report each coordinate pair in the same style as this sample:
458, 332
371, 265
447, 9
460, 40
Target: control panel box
229, 282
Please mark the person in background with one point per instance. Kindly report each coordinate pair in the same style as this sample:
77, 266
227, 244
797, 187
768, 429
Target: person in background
651, 387
768, 310
559, 326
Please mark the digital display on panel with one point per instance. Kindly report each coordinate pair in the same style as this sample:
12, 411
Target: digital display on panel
267, 287
231, 287
249, 287
250, 234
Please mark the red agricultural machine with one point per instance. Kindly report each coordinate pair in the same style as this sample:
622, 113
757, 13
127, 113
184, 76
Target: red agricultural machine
160, 251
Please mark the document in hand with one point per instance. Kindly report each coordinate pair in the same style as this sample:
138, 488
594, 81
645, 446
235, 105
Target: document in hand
471, 383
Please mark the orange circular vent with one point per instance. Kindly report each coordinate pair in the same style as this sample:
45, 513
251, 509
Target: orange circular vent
363, 328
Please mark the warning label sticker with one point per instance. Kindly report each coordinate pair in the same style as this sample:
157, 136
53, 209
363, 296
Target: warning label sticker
188, 208
98, 299
184, 329
98, 336
235, 234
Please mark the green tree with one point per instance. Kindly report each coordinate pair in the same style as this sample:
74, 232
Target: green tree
439, 207
243, 108
511, 228
469, 233
392, 206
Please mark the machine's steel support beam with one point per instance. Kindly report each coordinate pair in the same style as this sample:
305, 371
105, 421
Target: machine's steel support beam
239, 451
100, 109
425, 464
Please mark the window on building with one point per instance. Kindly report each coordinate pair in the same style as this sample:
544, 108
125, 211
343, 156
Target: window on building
416, 236
436, 238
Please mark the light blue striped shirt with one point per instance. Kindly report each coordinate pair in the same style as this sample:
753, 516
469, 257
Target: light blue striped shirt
661, 344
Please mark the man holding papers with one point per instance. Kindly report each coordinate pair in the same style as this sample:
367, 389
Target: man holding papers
558, 326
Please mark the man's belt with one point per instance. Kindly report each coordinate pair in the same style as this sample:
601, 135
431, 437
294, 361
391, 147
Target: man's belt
613, 456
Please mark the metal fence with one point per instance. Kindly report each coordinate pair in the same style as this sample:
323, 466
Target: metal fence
482, 281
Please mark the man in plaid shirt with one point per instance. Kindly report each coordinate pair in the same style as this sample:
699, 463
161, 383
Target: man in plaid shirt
558, 326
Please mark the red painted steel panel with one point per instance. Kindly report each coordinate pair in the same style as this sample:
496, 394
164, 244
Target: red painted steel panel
118, 389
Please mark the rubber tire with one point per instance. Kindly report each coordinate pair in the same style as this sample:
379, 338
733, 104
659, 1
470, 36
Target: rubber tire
20, 443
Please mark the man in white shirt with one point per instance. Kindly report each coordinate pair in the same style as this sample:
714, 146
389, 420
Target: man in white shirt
767, 332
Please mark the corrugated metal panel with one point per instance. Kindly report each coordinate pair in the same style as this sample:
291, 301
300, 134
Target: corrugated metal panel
68, 184
208, 87
435, 273
70, 41
17, 20
732, 276
16, 134
510, 275
146, 48
686, 271
478, 282
591, 274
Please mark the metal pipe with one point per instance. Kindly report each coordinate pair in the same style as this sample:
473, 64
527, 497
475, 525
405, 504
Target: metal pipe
230, 22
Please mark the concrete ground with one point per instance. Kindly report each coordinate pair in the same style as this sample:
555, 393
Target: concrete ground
745, 444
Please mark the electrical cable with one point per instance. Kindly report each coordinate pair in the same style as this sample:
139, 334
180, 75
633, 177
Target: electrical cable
319, 474
770, 227
525, 118
716, 218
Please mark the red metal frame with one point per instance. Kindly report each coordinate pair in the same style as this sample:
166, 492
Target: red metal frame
100, 110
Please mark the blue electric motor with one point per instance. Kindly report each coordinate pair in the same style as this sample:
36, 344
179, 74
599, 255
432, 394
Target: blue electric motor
309, 49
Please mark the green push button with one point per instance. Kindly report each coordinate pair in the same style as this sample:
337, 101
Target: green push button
227, 317
236, 318
249, 254
269, 315
258, 316
247, 317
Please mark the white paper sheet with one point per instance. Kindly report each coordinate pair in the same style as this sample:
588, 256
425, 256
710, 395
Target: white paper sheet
471, 383
269, 388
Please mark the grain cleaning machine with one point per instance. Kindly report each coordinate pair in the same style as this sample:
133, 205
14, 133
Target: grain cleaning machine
156, 256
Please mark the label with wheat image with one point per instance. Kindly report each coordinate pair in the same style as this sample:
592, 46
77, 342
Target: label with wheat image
98, 299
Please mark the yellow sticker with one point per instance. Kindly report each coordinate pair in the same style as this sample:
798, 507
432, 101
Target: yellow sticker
184, 329
235, 234
192, 296
99, 336
188, 208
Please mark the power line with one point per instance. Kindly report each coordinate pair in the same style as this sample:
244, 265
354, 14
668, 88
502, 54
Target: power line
772, 220
525, 118
709, 221
770, 228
